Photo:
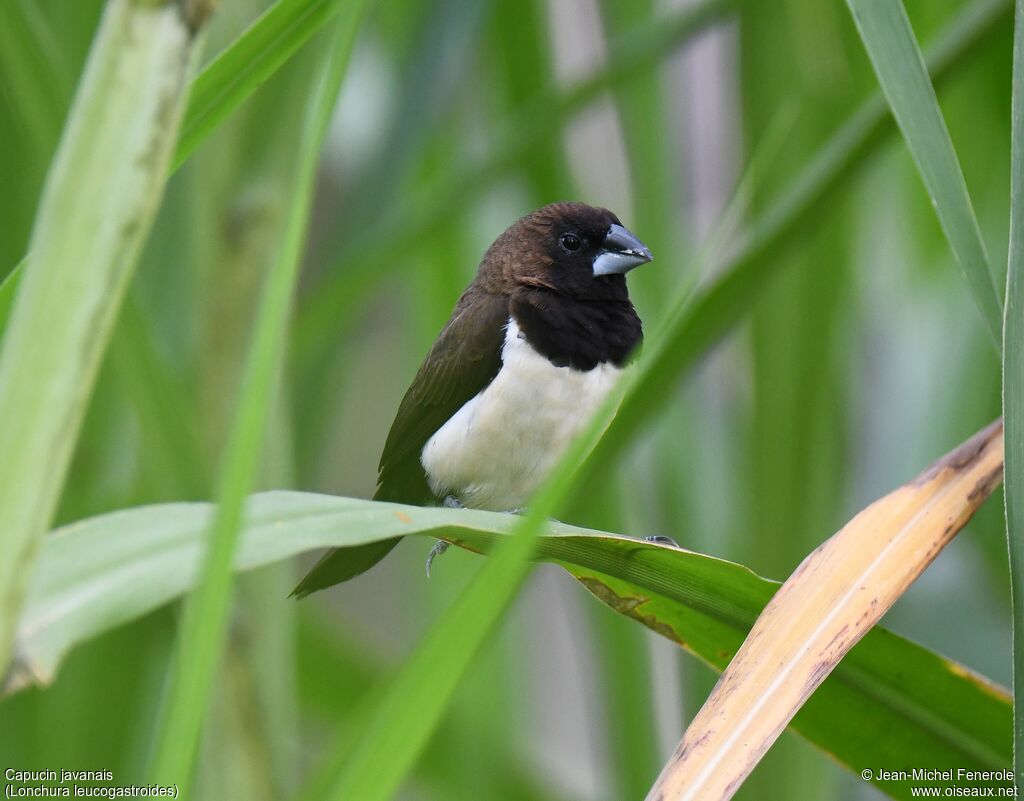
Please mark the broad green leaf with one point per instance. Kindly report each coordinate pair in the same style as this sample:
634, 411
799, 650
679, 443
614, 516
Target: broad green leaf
1013, 390
901, 71
101, 195
206, 614
889, 703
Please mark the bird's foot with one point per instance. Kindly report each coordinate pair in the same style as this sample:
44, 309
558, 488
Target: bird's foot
439, 548
662, 540
451, 502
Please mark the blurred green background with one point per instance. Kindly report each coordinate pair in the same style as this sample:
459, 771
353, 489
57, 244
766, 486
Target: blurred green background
862, 362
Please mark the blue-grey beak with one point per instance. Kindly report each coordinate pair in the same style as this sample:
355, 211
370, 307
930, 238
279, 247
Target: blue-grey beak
620, 253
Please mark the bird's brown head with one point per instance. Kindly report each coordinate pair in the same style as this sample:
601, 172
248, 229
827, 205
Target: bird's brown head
569, 248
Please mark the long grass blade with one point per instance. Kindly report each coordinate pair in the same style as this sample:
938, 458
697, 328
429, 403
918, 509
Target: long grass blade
1013, 392
206, 613
341, 670
901, 71
396, 729
100, 197
246, 64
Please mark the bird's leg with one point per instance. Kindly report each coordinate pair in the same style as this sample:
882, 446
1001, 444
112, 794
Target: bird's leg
440, 546
449, 502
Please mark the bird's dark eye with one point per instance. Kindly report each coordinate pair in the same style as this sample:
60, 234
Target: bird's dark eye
570, 242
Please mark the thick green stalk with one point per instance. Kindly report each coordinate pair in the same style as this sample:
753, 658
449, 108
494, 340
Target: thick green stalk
97, 206
1013, 393
206, 613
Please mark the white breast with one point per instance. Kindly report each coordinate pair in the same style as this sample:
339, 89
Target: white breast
496, 450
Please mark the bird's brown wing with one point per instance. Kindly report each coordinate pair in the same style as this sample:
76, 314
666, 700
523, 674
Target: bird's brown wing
463, 361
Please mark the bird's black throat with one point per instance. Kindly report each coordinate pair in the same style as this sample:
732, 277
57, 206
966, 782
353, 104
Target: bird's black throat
579, 332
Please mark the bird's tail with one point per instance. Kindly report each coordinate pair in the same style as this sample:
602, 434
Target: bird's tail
341, 564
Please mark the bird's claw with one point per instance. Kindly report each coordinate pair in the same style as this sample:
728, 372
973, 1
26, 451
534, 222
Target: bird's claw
439, 548
449, 502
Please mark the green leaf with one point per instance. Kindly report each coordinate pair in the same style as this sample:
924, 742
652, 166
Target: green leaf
100, 198
206, 614
1013, 391
889, 703
901, 71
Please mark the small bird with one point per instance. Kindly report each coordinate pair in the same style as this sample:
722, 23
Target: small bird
532, 348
